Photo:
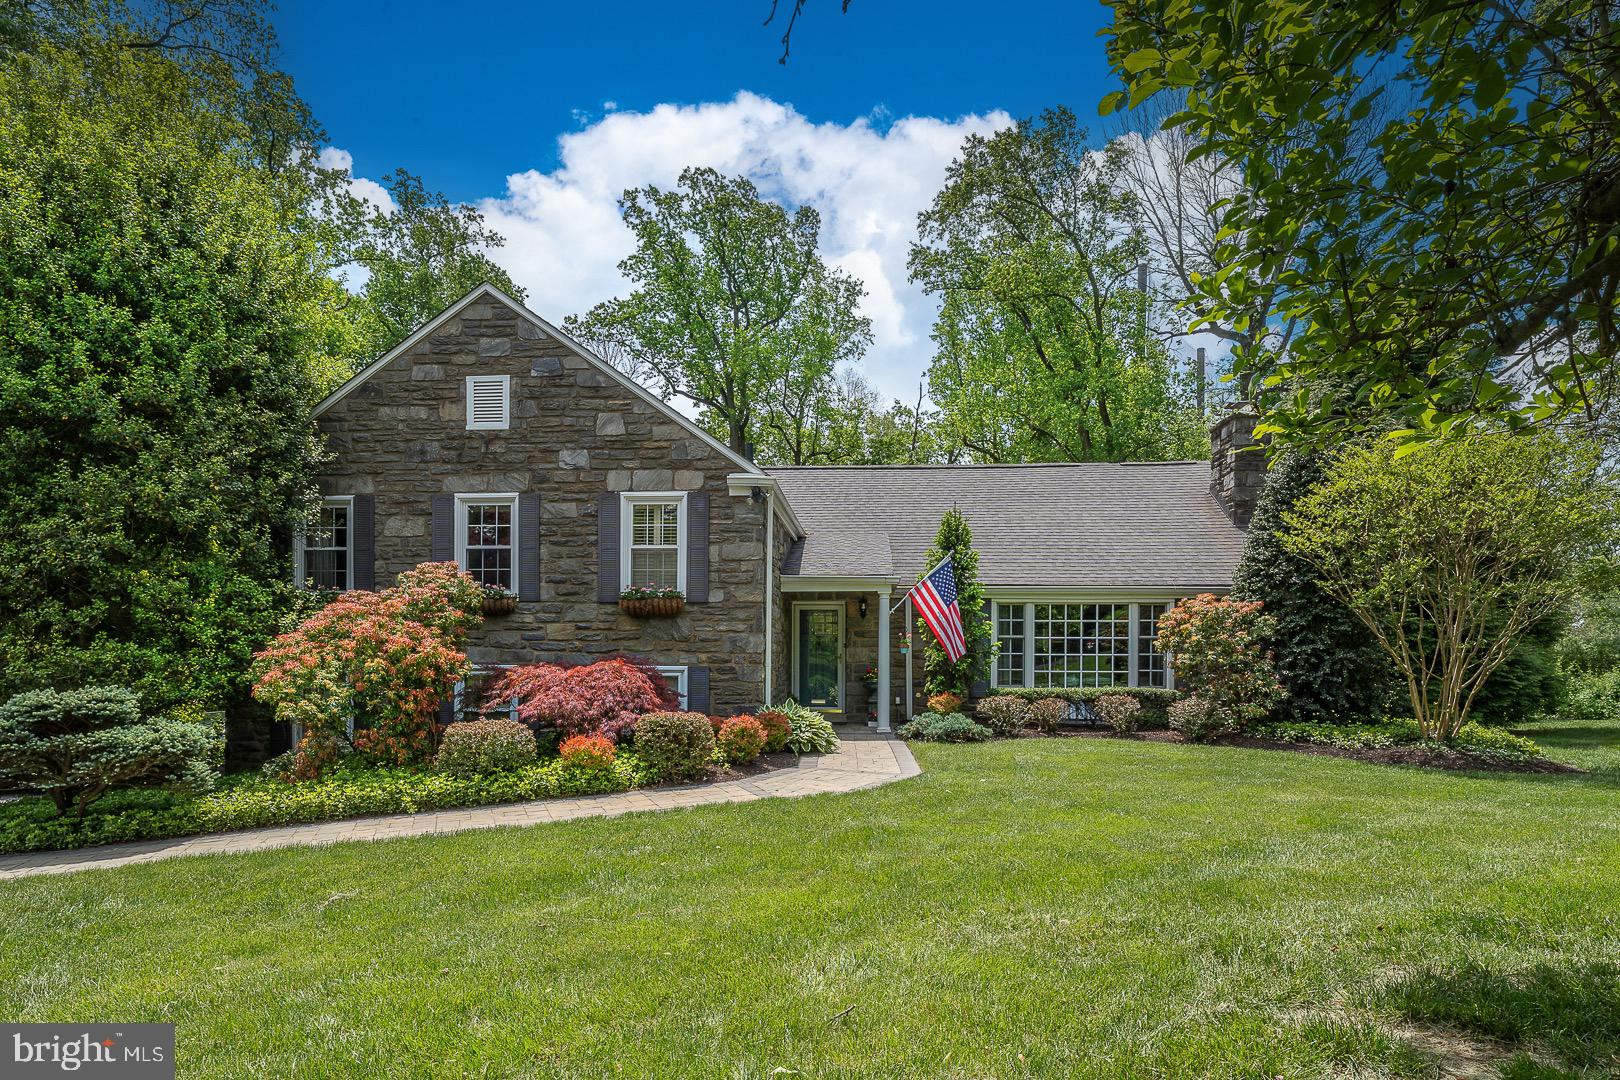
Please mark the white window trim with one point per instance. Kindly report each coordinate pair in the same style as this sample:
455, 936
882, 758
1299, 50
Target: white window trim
506, 402
460, 526
461, 687
1029, 635
629, 499
793, 661
299, 576
679, 673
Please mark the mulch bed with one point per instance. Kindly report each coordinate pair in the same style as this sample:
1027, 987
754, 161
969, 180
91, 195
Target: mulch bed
1427, 757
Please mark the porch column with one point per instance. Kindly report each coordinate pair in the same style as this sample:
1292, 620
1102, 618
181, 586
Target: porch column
884, 646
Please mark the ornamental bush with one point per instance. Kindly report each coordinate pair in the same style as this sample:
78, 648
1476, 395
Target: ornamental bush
944, 727
674, 745
482, 747
1155, 700
1218, 648
603, 698
778, 729
1004, 715
944, 702
812, 732
1047, 713
381, 659
1119, 711
1198, 719
740, 739
587, 752
74, 746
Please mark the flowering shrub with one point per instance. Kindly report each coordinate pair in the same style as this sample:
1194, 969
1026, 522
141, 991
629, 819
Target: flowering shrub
604, 698
482, 747
587, 752
778, 729
1198, 719
675, 745
740, 739
944, 702
1217, 649
383, 658
1004, 715
1119, 711
1045, 714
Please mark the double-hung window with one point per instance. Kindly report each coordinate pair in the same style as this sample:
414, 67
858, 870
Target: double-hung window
486, 538
1079, 645
326, 549
654, 541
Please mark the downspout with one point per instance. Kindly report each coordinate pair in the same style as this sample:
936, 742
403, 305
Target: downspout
770, 558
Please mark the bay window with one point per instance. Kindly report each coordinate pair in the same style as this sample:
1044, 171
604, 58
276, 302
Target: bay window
1079, 645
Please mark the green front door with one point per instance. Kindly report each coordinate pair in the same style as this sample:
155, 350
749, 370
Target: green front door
819, 657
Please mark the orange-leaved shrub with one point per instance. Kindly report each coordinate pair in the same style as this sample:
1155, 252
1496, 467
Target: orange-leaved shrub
587, 752
944, 702
603, 698
383, 659
1218, 648
778, 730
740, 739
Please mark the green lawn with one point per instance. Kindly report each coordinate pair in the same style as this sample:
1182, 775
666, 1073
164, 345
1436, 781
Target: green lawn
1078, 907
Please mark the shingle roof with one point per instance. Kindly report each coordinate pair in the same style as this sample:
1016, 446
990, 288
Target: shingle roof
1152, 524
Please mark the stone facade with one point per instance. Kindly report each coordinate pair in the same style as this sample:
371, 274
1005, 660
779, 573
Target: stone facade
1237, 464
576, 432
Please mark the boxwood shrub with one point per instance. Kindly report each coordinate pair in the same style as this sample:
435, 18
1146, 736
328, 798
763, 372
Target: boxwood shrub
944, 727
1155, 701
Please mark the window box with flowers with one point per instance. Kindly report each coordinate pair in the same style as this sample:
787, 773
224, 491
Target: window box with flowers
498, 601
652, 602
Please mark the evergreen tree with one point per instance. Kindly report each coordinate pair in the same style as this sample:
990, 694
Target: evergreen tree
1333, 672
956, 540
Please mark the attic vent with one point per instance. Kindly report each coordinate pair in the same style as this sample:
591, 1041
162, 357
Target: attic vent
488, 402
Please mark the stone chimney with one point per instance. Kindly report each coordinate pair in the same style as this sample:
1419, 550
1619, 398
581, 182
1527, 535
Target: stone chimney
1237, 472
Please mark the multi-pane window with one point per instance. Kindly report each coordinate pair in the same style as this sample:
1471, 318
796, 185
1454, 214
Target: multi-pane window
473, 701
487, 538
655, 544
326, 548
1151, 669
1082, 644
1010, 639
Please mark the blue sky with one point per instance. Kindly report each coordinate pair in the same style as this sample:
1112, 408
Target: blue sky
541, 114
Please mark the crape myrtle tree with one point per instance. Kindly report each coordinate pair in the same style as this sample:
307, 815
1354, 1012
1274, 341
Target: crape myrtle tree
1451, 552
733, 306
1457, 266
955, 539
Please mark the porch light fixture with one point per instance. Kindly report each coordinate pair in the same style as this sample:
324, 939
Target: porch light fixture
862, 607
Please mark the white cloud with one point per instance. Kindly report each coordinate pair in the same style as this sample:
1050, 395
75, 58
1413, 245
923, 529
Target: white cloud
564, 238
372, 192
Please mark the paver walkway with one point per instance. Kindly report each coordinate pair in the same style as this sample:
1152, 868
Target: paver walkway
863, 760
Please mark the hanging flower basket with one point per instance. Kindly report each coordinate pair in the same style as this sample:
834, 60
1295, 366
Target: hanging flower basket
649, 602
498, 601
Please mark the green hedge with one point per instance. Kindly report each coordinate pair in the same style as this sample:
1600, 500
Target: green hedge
1473, 738
1155, 701
255, 802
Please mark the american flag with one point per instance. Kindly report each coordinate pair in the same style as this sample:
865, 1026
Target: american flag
935, 597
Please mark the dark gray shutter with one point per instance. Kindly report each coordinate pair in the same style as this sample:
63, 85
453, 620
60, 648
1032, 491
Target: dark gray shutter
981, 685
444, 528
607, 547
363, 538
529, 546
697, 547
447, 711
697, 689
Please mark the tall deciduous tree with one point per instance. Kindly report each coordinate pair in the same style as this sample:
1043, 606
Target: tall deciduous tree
1467, 267
160, 324
1043, 350
733, 306
955, 539
1450, 554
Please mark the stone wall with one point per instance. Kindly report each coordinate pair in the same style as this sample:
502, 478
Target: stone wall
575, 432
860, 651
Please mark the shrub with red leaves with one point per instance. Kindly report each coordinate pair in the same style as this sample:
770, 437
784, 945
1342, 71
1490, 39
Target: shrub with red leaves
587, 752
778, 730
385, 659
740, 739
604, 698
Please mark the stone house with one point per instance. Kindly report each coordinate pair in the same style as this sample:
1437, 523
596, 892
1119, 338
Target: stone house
491, 438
